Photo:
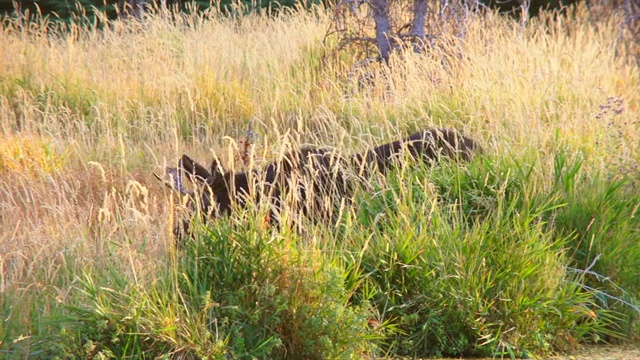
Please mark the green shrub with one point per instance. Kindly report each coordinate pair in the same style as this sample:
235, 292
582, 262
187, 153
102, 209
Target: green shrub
464, 261
271, 294
485, 259
602, 217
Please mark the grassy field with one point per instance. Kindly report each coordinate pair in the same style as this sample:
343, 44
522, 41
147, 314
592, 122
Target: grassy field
532, 248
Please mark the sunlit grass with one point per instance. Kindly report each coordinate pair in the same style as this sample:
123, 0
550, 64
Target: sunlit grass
28, 155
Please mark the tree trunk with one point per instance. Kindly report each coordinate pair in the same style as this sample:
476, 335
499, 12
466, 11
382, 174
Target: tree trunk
417, 30
383, 27
133, 8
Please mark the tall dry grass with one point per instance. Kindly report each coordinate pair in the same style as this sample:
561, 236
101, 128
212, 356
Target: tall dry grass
86, 115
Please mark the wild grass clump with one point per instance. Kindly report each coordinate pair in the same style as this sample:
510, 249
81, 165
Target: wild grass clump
242, 292
602, 217
473, 269
30, 154
273, 296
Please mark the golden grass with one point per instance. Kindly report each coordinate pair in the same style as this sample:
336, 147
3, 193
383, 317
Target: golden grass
86, 116
28, 154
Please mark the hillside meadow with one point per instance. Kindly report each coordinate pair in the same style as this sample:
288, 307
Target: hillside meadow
530, 249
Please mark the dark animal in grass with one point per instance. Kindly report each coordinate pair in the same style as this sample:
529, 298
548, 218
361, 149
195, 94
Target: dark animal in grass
312, 181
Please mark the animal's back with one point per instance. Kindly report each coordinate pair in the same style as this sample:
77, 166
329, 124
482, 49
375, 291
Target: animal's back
426, 145
310, 180
314, 181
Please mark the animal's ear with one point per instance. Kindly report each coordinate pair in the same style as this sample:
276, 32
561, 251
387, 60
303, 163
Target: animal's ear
217, 172
193, 169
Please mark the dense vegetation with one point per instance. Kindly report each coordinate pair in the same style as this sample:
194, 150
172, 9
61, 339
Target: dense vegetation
531, 248
66, 10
